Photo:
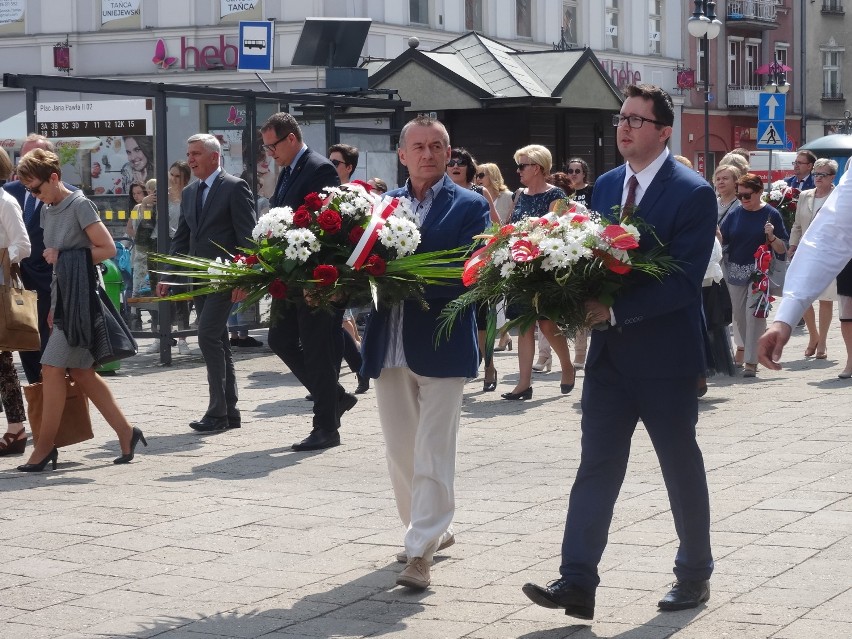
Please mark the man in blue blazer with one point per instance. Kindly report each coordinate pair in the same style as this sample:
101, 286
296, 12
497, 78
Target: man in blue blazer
645, 365
36, 274
308, 340
216, 218
803, 167
419, 383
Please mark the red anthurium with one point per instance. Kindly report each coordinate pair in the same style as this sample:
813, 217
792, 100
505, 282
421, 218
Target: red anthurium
618, 237
612, 263
524, 251
579, 218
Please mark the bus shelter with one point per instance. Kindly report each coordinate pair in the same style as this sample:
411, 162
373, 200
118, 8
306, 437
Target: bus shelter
113, 133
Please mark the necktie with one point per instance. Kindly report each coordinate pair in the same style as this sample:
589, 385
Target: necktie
199, 199
282, 185
630, 202
29, 208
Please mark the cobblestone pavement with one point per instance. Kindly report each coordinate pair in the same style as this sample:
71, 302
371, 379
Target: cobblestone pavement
235, 535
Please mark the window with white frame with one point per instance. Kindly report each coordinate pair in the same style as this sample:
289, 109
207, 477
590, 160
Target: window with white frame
832, 67
418, 11
523, 18
655, 26
735, 62
612, 15
751, 60
570, 24
473, 15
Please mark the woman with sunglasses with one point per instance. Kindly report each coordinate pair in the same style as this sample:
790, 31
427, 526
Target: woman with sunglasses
70, 222
578, 172
534, 200
15, 240
810, 202
749, 224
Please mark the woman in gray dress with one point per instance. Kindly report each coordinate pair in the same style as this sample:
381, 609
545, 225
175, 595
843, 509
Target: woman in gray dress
70, 221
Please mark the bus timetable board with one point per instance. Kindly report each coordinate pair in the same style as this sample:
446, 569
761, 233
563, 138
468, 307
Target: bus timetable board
95, 118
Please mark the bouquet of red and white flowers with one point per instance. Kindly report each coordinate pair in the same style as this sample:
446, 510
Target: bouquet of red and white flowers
785, 198
550, 266
342, 244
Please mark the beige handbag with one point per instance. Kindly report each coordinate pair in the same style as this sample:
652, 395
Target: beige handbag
18, 311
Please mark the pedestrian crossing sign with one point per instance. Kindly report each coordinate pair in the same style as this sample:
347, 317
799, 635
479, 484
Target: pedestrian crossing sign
771, 135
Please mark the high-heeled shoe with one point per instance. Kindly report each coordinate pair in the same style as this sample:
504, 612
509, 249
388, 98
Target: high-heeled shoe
525, 394
504, 346
490, 384
13, 443
37, 468
137, 436
543, 365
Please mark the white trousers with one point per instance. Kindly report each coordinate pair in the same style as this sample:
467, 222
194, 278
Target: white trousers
747, 327
420, 421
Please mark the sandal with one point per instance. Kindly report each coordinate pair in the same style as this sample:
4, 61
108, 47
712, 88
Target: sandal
810, 350
13, 443
739, 357
750, 370
822, 355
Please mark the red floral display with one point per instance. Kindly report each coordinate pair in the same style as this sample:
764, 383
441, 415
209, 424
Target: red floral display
375, 266
277, 289
326, 275
302, 217
329, 221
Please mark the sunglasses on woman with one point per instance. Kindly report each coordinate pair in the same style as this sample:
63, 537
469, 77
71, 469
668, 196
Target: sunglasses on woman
480, 176
744, 196
456, 162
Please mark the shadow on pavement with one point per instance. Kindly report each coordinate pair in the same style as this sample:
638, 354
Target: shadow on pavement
247, 465
668, 624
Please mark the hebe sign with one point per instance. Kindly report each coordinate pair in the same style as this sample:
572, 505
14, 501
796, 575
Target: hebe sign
207, 57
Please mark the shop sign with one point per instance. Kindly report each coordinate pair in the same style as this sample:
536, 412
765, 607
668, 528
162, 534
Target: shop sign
621, 73
201, 58
112, 10
11, 11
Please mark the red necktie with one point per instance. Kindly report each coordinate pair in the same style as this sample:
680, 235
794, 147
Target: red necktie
630, 202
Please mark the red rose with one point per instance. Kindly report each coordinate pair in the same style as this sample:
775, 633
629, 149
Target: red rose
355, 235
329, 221
313, 201
251, 260
302, 217
325, 274
375, 266
277, 289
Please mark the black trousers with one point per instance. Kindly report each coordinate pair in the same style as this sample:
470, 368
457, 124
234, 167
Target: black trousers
351, 353
310, 342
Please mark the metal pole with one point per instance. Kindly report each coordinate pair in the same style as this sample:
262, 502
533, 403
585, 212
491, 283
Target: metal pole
706, 107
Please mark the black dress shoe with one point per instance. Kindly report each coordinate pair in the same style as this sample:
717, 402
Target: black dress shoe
319, 440
363, 384
346, 402
309, 397
562, 594
209, 424
247, 342
685, 595
524, 394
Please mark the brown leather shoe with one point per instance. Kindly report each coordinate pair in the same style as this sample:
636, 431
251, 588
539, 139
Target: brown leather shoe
416, 574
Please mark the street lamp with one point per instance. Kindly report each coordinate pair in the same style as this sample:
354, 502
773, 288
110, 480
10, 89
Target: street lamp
704, 25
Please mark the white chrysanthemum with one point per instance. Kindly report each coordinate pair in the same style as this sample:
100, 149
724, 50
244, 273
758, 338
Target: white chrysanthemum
214, 270
404, 209
632, 230
775, 195
291, 252
500, 255
303, 253
575, 251
779, 185
549, 263
551, 245
507, 269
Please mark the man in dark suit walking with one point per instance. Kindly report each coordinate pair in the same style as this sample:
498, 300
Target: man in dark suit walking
308, 340
644, 366
216, 215
36, 274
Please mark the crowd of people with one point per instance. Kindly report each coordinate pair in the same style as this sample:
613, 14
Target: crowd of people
712, 231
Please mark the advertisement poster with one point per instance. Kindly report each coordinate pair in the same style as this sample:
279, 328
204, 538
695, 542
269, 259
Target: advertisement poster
236, 10
121, 14
12, 16
120, 161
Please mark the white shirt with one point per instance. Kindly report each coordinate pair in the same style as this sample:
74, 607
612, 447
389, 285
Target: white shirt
822, 253
13, 233
644, 177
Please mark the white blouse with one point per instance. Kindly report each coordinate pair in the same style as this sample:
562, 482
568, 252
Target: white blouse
13, 233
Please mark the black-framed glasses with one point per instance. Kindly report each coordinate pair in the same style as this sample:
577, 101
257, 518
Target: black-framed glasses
573, 171
456, 162
634, 121
795, 162
480, 176
745, 196
822, 175
336, 163
521, 167
35, 190
271, 147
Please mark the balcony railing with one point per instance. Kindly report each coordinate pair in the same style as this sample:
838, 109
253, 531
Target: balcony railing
743, 96
763, 10
832, 6
832, 93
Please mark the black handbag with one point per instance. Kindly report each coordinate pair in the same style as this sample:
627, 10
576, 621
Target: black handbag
113, 340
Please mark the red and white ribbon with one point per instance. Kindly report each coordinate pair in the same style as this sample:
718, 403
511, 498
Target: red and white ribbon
381, 212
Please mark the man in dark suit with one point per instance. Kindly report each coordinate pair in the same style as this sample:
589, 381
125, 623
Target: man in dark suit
308, 340
36, 274
803, 167
644, 366
419, 383
216, 215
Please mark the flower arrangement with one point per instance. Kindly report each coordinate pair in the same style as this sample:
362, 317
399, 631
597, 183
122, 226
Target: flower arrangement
549, 266
785, 198
344, 244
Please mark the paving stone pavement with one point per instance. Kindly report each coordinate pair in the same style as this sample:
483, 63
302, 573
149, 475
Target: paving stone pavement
235, 535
